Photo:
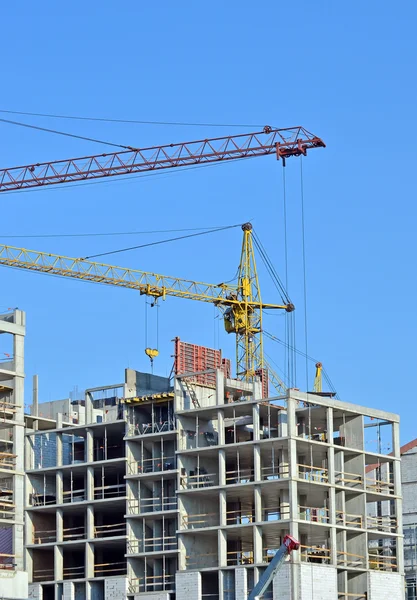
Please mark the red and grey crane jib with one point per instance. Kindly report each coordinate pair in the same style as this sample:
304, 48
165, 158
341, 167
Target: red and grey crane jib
284, 143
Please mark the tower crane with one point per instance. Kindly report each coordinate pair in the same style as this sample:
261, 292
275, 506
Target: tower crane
293, 141
241, 304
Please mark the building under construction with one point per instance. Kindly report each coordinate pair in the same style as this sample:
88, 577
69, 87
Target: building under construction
149, 488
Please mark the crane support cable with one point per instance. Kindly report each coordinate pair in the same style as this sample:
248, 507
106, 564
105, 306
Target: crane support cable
282, 143
304, 355
65, 133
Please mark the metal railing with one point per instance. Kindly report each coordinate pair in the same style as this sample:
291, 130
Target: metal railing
275, 513
275, 472
315, 554
152, 465
109, 491
157, 544
79, 495
313, 474
200, 520
7, 561
349, 559
151, 583
382, 563
44, 536
73, 533
73, 572
201, 480
43, 574
313, 514
114, 529
117, 568
240, 476
148, 428
146, 505
347, 479
379, 486
348, 519
384, 523
240, 557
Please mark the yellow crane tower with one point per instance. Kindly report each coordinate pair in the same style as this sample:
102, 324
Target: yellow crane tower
241, 304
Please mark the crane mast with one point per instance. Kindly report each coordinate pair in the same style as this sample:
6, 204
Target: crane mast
284, 143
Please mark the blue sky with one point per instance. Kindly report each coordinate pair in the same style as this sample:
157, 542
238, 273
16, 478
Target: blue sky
344, 70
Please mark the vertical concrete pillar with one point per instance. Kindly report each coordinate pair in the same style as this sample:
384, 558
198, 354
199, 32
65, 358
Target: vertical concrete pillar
59, 454
220, 399
90, 522
257, 545
397, 491
256, 422
89, 442
59, 525
220, 424
59, 482
222, 467
258, 504
89, 560
90, 483
58, 562
222, 508
257, 462
222, 547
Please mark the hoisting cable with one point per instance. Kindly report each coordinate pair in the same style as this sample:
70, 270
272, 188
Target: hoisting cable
271, 269
304, 265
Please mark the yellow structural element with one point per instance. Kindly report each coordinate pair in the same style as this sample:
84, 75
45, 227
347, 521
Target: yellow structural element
241, 304
318, 387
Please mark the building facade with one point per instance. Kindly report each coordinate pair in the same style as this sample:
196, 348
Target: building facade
13, 578
151, 491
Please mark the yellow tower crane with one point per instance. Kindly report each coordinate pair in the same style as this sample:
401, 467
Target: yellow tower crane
241, 304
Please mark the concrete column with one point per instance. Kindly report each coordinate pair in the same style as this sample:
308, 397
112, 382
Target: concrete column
90, 483
257, 545
59, 455
89, 451
59, 487
222, 547
90, 522
222, 467
89, 560
222, 508
291, 417
59, 525
329, 425
397, 491
220, 399
256, 422
182, 553
258, 504
58, 562
220, 424
257, 462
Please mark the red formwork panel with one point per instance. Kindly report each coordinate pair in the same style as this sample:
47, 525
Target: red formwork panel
191, 358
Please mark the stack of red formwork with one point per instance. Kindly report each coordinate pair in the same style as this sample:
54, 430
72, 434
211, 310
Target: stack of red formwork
191, 358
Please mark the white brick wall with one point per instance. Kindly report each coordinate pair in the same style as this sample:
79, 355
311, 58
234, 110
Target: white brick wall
385, 586
317, 582
35, 591
241, 584
69, 593
188, 586
281, 585
115, 588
